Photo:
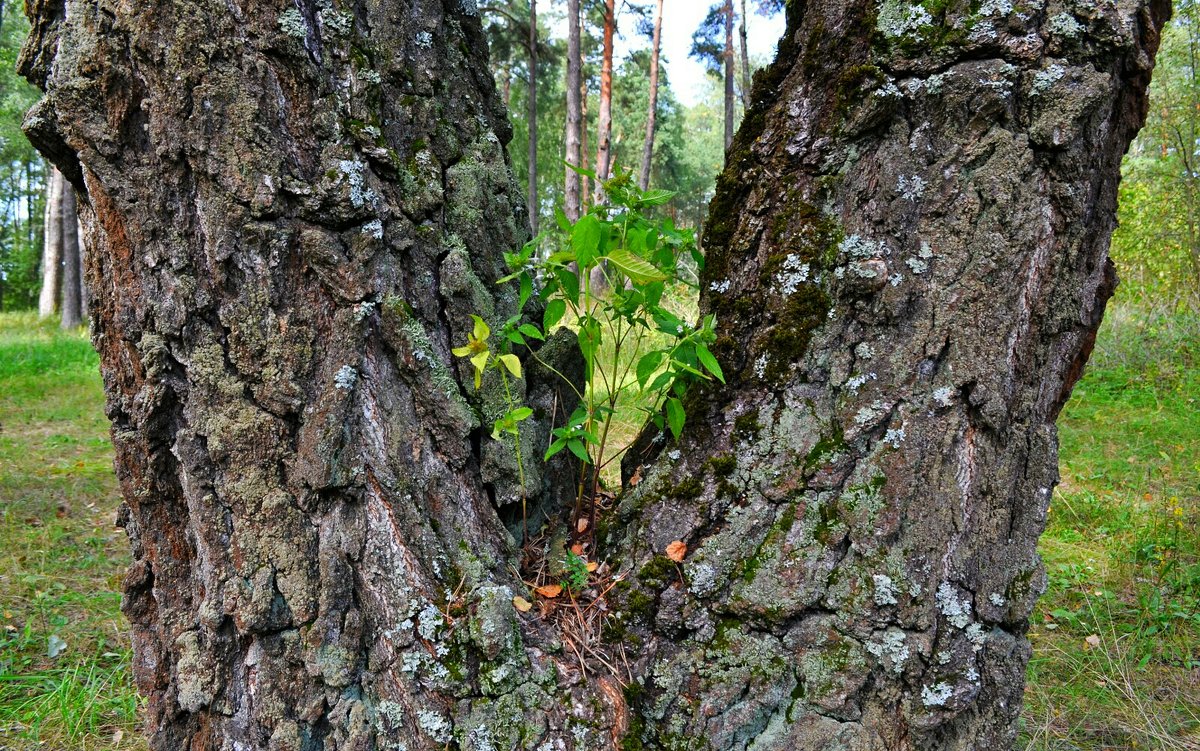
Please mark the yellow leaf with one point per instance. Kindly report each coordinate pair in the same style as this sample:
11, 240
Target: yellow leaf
520, 603
592, 566
513, 363
481, 332
677, 550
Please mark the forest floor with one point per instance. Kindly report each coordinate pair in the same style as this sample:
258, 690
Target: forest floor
1116, 639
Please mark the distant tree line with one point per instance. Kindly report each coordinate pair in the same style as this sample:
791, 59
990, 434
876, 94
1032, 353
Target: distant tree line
571, 100
40, 242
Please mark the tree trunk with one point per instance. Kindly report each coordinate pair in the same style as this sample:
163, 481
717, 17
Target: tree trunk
72, 272
652, 110
908, 269
745, 60
729, 96
604, 123
585, 191
506, 86
572, 197
532, 115
85, 297
907, 273
52, 246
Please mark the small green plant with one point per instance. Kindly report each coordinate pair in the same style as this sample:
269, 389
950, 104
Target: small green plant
630, 341
482, 359
575, 572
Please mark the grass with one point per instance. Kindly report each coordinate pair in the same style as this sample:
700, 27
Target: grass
1116, 638
61, 556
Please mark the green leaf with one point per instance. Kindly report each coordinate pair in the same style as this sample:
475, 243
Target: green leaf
526, 290
585, 239
555, 310
569, 281
520, 414
675, 416
655, 197
500, 426
709, 362
647, 365
580, 170
531, 331
512, 363
636, 268
662, 381
560, 218
555, 447
577, 448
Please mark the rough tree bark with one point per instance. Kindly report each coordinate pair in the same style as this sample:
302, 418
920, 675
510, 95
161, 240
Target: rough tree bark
652, 109
575, 124
72, 271
295, 211
51, 246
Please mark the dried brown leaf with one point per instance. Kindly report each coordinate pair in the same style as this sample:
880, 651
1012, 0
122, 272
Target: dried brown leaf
677, 550
549, 591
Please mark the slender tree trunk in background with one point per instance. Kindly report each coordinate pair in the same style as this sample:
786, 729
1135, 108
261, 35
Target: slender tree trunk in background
745, 60
85, 297
604, 123
532, 116
51, 246
585, 183
72, 273
506, 86
907, 286
729, 96
599, 280
652, 110
572, 193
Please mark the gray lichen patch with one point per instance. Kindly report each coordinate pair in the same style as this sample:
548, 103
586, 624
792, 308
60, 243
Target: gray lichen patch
195, 681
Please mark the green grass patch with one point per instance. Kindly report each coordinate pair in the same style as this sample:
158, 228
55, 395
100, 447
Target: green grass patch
1117, 637
64, 647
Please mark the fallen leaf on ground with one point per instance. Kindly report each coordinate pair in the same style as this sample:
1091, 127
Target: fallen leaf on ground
549, 591
520, 603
